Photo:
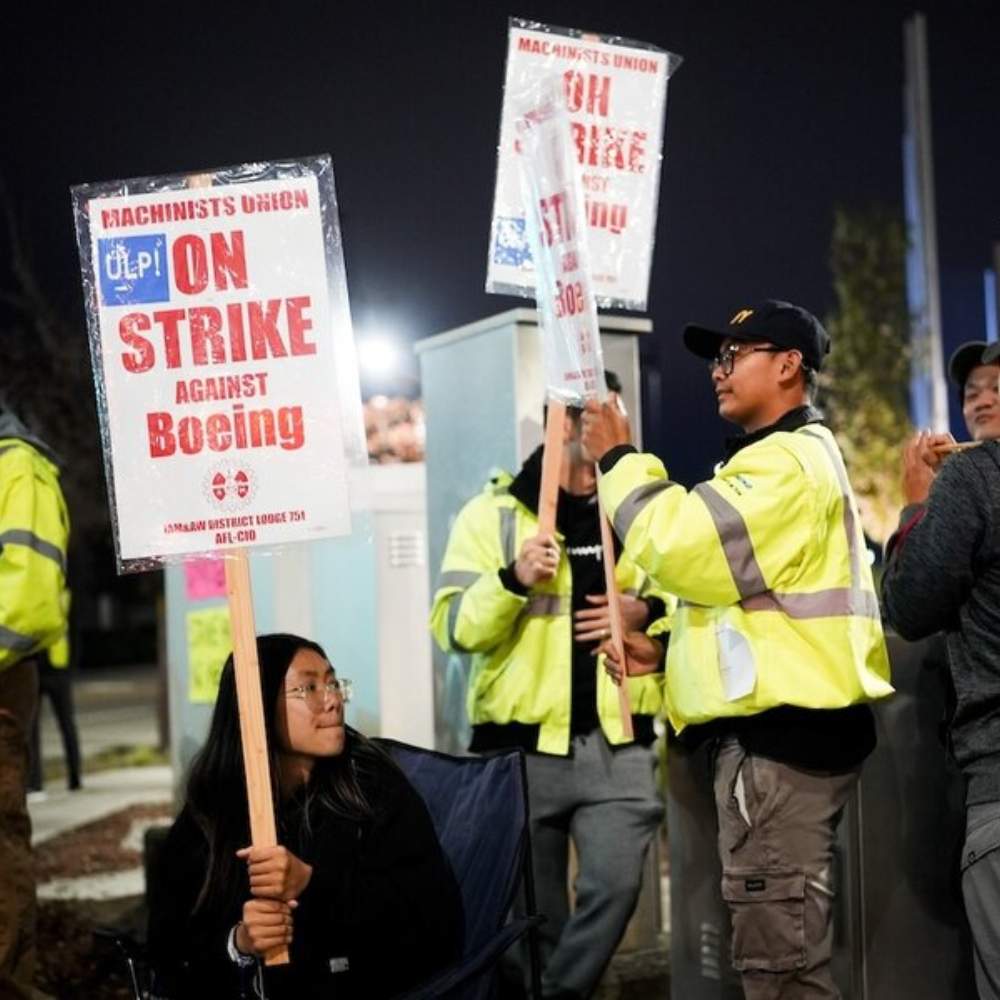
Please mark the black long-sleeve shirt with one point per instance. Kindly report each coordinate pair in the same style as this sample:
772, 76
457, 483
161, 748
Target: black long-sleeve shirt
381, 897
944, 574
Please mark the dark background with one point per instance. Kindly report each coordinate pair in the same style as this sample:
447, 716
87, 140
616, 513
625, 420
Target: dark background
780, 112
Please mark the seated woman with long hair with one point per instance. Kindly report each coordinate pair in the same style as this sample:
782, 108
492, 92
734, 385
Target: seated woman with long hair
359, 889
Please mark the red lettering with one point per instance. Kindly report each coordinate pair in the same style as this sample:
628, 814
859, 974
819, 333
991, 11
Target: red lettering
264, 336
229, 260
144, 357
298, 325
161, 439
206, 330
170, 320
190, 265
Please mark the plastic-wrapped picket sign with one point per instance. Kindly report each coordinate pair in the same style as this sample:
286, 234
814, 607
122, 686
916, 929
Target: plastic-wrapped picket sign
616, 91
571, 342
550, 182
224, 359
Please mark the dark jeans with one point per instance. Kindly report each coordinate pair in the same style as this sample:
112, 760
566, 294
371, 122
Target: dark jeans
18, 704
55, 682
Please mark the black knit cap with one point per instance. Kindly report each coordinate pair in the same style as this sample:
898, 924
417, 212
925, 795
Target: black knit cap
772, 321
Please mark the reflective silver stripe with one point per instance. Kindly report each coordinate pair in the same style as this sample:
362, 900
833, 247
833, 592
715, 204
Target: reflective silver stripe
453, 609
630, 508
507, 534
458, 578
547, 604
9, 639
736, 544
17, 536
836, 602
861, 597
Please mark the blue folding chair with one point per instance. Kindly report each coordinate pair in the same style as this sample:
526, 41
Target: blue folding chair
479, 807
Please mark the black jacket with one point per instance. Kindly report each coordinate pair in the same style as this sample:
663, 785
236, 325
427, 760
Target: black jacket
943, 573
381, 895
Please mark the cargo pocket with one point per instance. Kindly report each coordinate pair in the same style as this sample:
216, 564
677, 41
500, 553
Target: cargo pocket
768, 911
981, 840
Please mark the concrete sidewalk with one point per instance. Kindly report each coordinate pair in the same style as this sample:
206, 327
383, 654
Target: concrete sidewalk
104, 793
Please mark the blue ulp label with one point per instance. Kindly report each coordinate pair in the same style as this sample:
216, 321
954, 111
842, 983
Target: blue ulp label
133, 269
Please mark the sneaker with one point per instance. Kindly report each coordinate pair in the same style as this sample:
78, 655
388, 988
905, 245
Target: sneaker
37, 795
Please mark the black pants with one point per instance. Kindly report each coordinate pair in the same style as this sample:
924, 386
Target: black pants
55, 683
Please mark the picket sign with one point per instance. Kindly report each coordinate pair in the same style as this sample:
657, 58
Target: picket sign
189, 281
246, 667
571, 339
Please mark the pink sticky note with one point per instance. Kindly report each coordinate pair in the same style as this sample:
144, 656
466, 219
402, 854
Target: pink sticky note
204, 578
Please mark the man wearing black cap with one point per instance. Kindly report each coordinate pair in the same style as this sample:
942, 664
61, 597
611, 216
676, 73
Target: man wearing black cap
943, 574
777, 644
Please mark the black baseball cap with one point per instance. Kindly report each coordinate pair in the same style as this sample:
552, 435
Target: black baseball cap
779, 323
967, 356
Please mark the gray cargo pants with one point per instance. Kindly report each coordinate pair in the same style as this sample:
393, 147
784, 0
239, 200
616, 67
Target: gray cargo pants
777, 826
981, 891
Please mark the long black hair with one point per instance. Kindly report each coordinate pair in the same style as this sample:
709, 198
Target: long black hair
216, 788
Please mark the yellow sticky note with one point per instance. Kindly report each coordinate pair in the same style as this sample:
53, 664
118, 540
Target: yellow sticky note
209, 643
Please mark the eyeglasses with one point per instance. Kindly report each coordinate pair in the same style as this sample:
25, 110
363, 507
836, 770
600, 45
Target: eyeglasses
315, 694
726, 358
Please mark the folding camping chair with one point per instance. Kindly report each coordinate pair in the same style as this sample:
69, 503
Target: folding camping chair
479, 808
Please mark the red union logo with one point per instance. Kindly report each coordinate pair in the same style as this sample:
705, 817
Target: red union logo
219, 486
228, 486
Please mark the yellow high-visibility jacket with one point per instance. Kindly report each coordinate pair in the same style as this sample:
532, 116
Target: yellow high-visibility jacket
521, 646
777, 604
34, 534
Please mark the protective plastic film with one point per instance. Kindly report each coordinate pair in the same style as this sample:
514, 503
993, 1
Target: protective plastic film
550, 182
616, 92
224, 360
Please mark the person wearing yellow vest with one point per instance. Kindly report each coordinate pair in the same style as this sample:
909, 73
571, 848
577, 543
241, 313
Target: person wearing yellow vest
777, 644
531, 611
34, 532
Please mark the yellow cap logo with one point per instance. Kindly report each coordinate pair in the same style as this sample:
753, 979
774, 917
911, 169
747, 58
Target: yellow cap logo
740, 316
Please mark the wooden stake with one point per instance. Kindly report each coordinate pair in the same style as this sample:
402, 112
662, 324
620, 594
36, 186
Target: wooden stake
950, 449
252, 731
253, 735
548, 494
615, 612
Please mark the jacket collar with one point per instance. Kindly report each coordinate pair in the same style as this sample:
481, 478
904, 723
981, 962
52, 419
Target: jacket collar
526, 484
791, 421
11, 427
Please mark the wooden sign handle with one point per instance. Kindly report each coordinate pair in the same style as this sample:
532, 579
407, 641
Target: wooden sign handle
548, 494
253, 735
617, 623
252, 731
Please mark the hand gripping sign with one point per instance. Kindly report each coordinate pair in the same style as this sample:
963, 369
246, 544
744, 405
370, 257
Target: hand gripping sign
616, 94
571, 344
226, 382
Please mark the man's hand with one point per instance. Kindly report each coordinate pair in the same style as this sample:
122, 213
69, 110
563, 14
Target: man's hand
594, 623
603, 427
643, 653
267, 924
537, 562
921, 460
275, 873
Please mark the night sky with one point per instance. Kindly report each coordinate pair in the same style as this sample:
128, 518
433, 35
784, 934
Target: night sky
780, 111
